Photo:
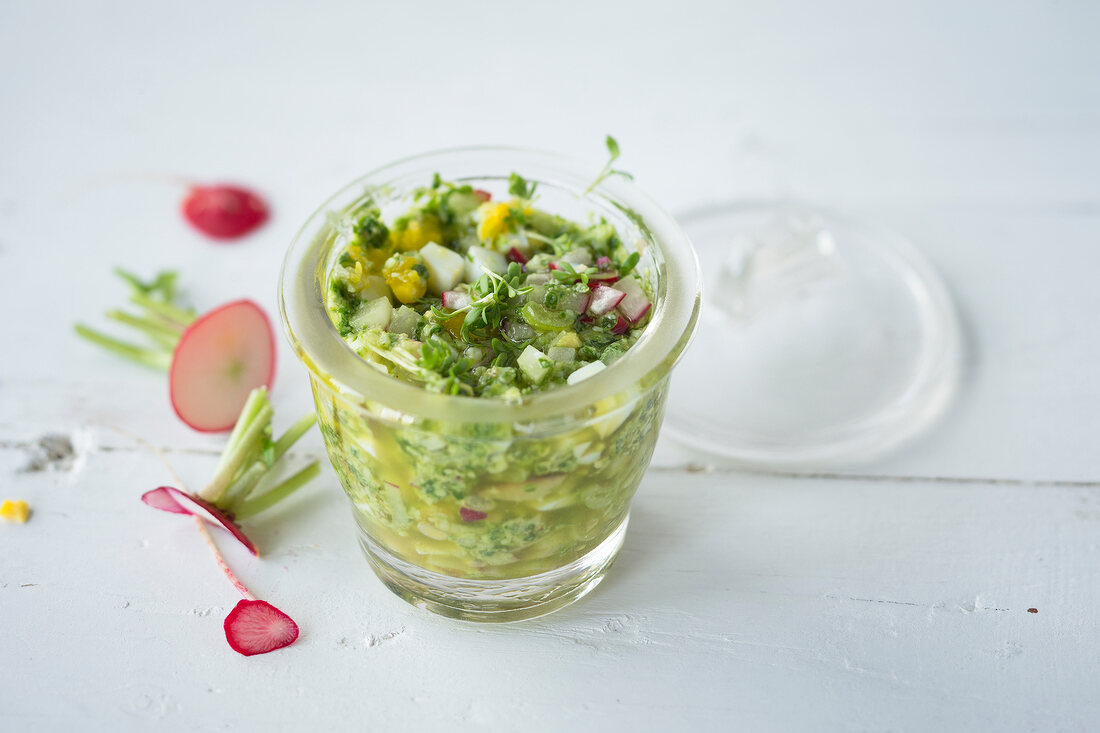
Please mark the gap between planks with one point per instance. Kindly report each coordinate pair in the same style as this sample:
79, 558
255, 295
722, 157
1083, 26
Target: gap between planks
686, 468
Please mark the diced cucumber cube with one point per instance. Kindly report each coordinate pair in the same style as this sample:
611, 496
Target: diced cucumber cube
535, 364
373, 314
445, 267
584, 372
405, 320
479, 259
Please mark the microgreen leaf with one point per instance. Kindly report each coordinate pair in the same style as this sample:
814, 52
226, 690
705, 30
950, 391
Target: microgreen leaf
607, 171
518, 187
629, 264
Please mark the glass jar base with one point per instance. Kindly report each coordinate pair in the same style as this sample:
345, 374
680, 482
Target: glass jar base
494, 601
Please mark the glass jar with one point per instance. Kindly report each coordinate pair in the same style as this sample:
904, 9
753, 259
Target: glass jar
477, 508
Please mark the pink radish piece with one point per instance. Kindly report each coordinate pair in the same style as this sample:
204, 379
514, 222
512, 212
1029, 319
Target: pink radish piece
257, 627
621, 326
514, 255
220, 358
602, 278
603, 262
635, 305
171, 499
604, 300
455, 299
573, 301
224, 212
471, 515
161, 498
482, 195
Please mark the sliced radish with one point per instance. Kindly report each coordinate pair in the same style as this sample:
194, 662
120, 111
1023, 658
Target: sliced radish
621, 326
554, 266
574, 301
482, 195
514, 255
602, 278
164, 497
161, 498
604, 300
471, 515
603, 262
635, 305
224, 212
257, 627
220, 358
455, 299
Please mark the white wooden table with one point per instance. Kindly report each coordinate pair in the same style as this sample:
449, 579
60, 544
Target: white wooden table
891, 596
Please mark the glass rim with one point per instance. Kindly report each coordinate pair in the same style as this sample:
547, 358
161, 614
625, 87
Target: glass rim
317, 343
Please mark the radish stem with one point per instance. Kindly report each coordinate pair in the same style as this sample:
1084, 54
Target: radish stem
149, 357
173, 313
277, 493
237, 455
168, 336
243, 485
256, 399
162, 322
290, 437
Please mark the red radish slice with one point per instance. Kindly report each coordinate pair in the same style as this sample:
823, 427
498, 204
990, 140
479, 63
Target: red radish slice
635, 305
220, 358
621, 326
455, 299
482, 195
161, 497
603, 262
554, 266
514, 255
602, 278
604, 300
257, 627
224, 212
471, 515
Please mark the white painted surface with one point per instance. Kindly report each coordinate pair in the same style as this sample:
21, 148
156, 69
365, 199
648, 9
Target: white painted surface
892, 596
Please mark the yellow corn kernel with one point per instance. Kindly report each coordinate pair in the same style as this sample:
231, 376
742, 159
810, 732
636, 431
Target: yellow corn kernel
416, 234
355, 277
568, 339
371, 260
15, 511
495, 220
454, 324
407, 277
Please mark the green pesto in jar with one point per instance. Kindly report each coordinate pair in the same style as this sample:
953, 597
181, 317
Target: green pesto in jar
469, 296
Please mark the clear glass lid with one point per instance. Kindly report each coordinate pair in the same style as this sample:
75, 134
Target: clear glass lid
821, 340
